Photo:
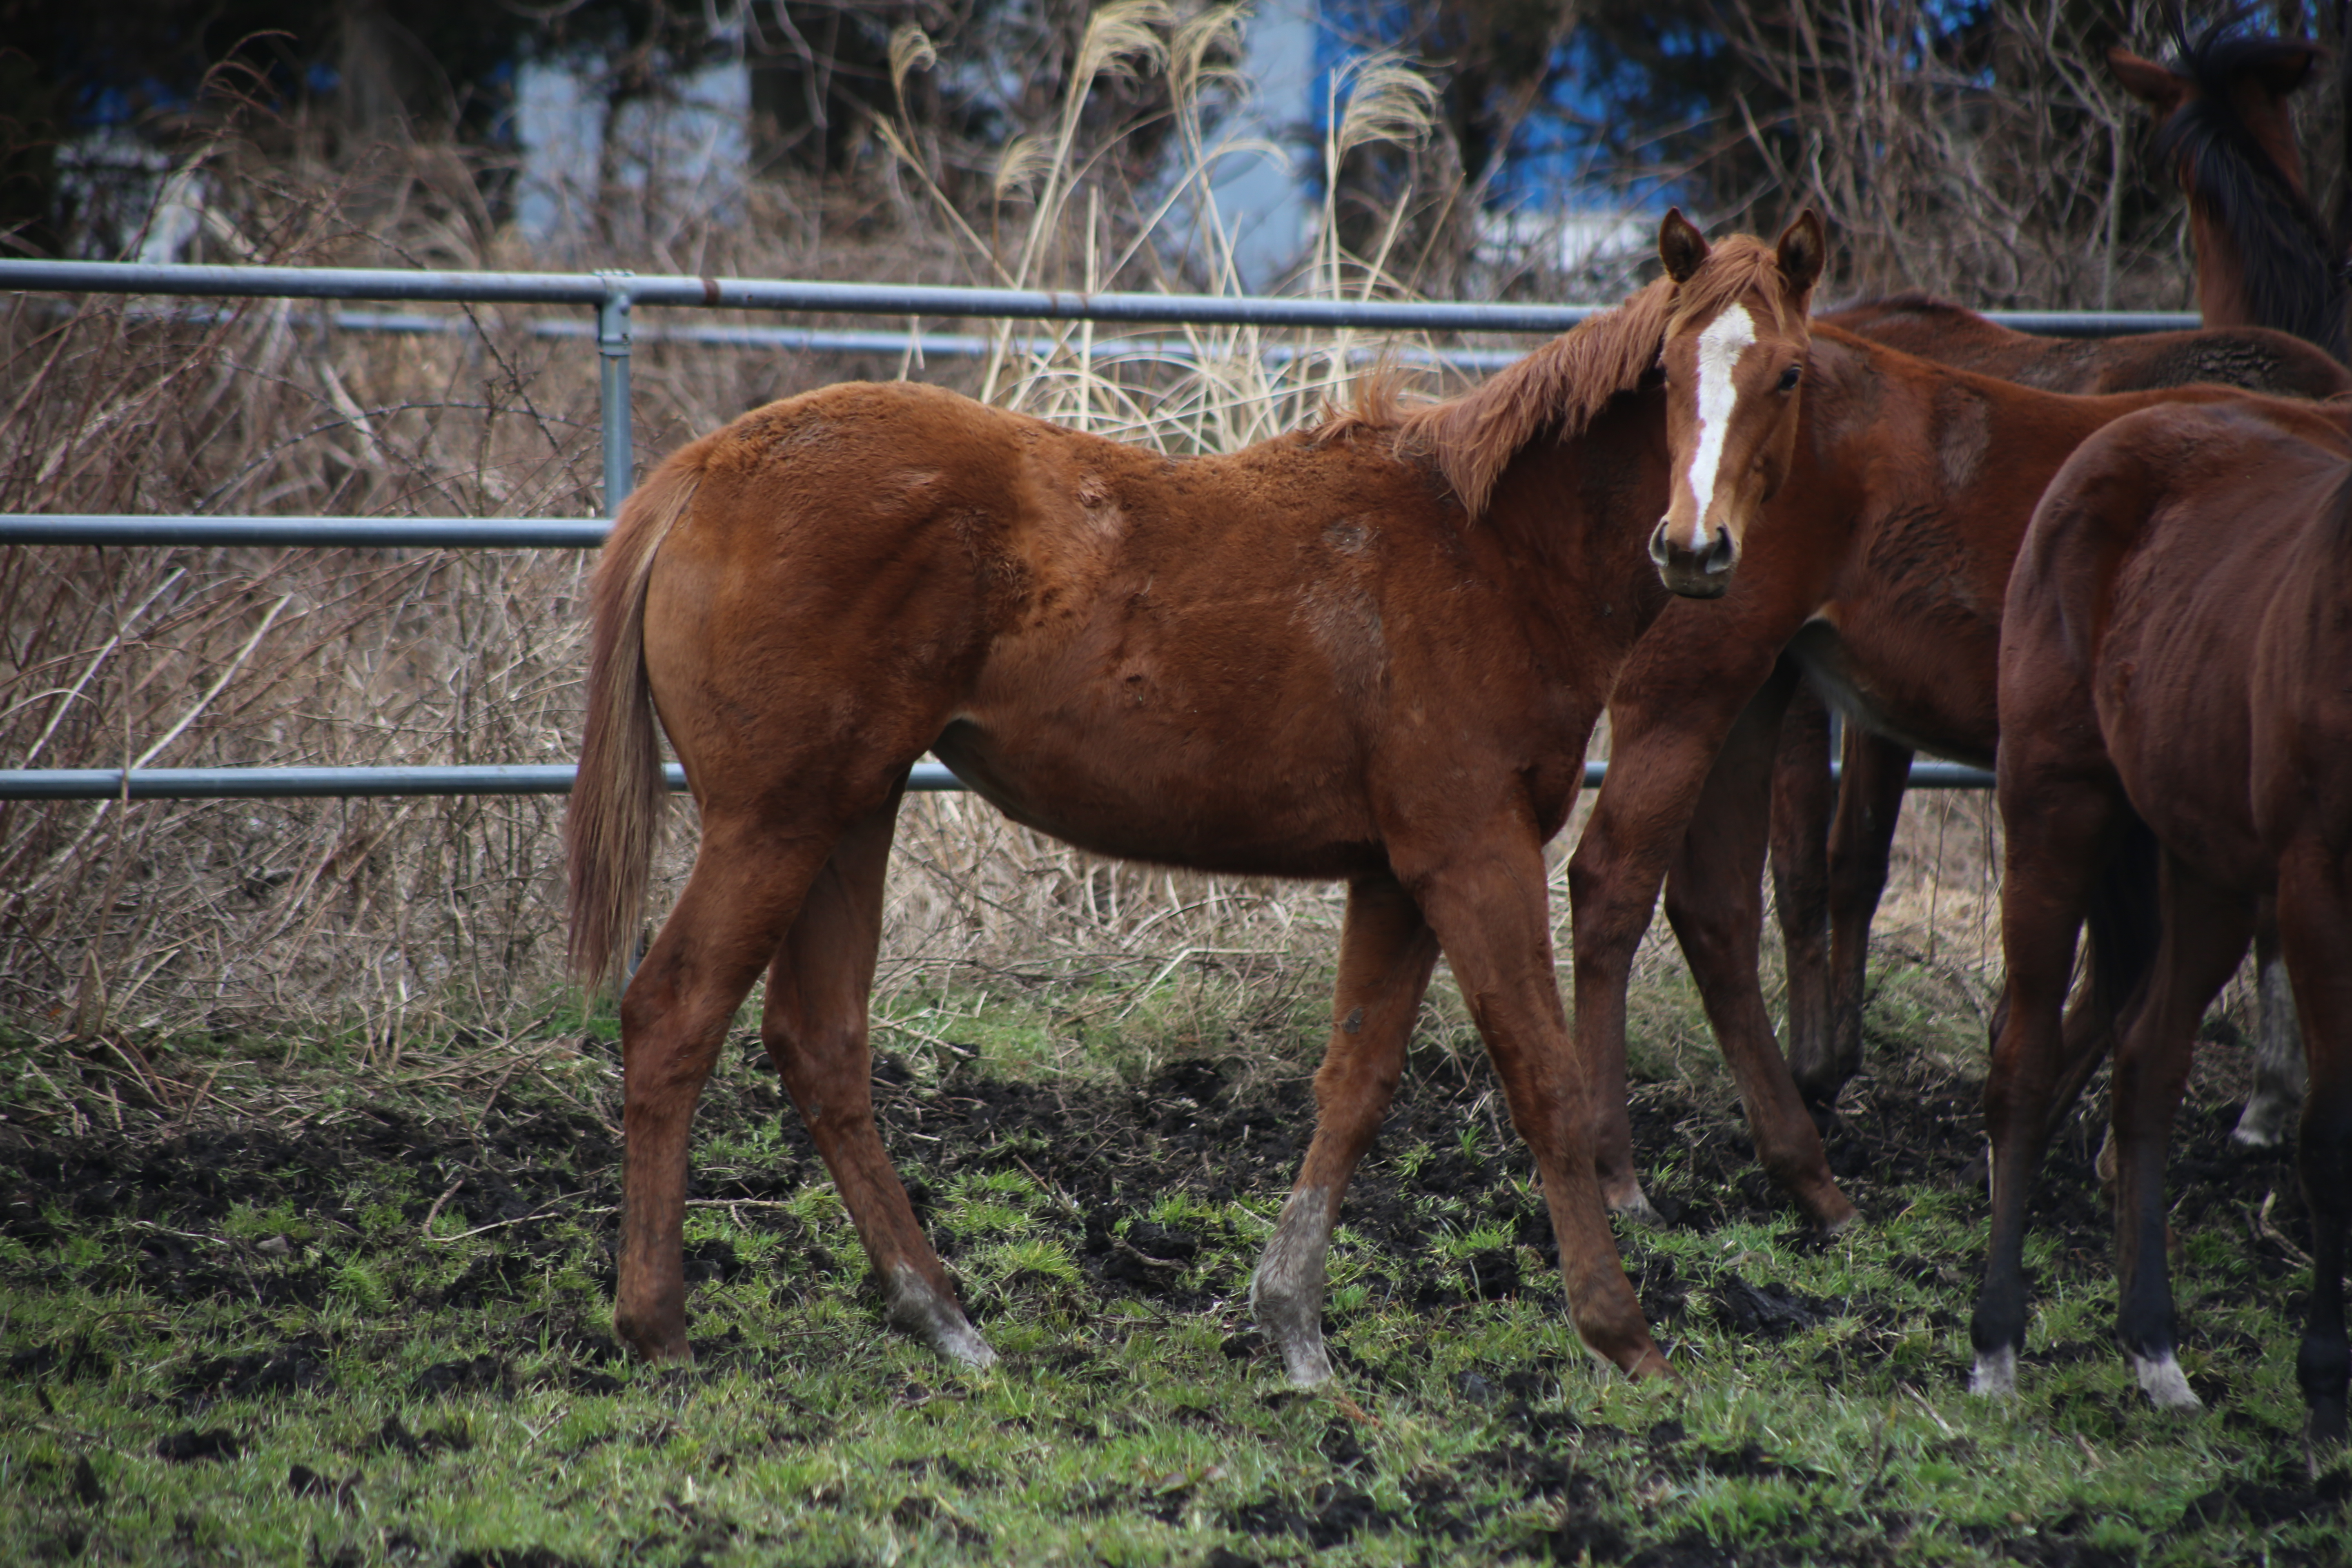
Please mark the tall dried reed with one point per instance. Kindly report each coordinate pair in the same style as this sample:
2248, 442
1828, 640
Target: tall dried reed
400, 919
397, 921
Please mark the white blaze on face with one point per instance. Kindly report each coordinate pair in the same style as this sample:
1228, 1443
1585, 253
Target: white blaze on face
1719, 348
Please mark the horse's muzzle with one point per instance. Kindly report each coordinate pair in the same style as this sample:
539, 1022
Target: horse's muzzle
1694, 573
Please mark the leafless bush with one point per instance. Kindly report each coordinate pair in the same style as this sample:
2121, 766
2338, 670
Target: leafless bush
397, 920
402, 919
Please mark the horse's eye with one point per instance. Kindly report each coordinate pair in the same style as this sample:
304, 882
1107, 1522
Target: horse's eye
1789, 379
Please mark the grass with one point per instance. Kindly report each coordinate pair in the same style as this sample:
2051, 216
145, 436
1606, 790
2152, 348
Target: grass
373, 1328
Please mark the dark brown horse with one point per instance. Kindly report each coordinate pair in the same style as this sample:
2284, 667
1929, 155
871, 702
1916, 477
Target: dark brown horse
1320, 657
2173, 667
2264, 255
2227, 126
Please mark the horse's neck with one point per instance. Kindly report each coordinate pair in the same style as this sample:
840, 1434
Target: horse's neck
1576, 514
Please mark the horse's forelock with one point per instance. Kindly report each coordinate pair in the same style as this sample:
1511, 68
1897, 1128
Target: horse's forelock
1560, 387
1739, 265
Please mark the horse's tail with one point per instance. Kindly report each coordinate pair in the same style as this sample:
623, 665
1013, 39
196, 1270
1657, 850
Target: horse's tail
615, 814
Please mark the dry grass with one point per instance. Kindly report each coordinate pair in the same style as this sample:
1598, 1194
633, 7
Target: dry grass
403, 920
415, 918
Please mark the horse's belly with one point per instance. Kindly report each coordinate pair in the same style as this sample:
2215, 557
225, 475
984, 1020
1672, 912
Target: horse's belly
1915, 707
1245, 809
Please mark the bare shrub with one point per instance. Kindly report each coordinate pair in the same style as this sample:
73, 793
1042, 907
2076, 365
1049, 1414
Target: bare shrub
400, 919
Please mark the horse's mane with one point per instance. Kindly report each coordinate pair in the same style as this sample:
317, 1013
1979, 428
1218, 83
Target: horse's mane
1560, 387
2290, 271
1907, 302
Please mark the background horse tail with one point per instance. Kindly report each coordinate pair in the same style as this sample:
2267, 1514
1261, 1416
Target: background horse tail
615, 814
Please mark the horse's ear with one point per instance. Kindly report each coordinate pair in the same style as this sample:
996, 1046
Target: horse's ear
1803, 250
2281, 73
2153, 85
1680, 246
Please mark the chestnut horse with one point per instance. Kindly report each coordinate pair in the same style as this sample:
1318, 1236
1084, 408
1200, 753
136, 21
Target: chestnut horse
1827, 878
2263, 263
1320, 657
1880, 576
2173, 665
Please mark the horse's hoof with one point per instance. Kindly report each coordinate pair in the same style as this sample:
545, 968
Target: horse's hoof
1634, 1207
936, 1319
2327, 1428
656, 1346
2260, 1126
2166, 1385
1995, 1375
1651, 1364
1304, 1362
1832, 1213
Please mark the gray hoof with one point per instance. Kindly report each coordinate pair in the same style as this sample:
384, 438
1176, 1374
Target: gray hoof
936, 1320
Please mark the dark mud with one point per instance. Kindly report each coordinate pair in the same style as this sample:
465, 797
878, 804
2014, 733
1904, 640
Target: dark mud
1216, 1127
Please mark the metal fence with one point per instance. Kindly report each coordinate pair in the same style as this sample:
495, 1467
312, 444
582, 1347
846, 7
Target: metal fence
614, 297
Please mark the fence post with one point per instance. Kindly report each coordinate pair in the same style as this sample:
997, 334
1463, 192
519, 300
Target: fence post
612, 386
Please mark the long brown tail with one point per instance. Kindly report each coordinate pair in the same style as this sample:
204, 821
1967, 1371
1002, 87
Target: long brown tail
615, 820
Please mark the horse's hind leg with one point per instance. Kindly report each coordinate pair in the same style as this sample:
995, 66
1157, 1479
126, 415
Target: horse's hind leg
2278, 1043
1803, 799
2206, 930
2315, 917
815, 1031
745, 888
1386, 953
1869, 803
2061, 829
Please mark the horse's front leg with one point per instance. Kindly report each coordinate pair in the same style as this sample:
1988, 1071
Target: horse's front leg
1386, 953
815, 1029
1715, 902
1486, 902
1665, 732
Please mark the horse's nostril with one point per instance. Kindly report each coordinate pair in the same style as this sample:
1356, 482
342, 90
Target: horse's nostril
1658, 544
1719, 557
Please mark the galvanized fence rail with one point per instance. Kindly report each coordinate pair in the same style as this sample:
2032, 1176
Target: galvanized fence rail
614, 295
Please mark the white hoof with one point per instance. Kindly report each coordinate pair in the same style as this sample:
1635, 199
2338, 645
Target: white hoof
2166, 1385
2263, 1125
1305, 1362
936, 1320
1995, 1375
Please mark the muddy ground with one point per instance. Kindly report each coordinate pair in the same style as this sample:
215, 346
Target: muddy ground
1218, 1128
